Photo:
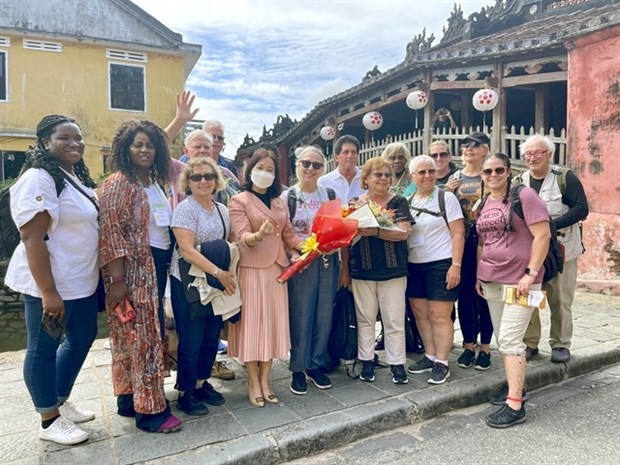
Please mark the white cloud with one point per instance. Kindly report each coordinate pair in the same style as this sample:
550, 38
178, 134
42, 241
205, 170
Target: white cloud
263, 58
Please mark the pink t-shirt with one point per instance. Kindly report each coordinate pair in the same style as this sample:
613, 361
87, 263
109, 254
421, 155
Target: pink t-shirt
506, 255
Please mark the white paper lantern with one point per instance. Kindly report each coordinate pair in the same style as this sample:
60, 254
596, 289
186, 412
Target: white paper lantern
417, 100
485, 99
327, 133
372, 120
298, 151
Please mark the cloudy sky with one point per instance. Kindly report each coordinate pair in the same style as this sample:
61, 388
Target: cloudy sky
263, 58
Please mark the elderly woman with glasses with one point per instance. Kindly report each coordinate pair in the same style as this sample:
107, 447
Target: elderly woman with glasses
311, 293
435, 253
376, 269
197, 220
473, 311
398, 155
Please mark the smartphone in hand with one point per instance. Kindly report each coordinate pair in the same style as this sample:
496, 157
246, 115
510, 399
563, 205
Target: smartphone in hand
125, 311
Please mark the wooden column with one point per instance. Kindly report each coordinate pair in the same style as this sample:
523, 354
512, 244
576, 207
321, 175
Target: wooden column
540, 108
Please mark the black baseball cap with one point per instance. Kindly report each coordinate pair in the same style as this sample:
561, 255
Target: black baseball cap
477, 136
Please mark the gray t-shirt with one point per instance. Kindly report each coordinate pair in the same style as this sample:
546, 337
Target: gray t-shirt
206, 225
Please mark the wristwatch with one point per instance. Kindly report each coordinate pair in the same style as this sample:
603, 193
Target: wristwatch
114, 279
531, 272
216, 273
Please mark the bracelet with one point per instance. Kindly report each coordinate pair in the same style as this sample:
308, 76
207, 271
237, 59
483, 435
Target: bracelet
456, 264
216, 273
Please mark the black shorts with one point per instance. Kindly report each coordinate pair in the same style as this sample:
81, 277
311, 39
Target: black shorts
428, 281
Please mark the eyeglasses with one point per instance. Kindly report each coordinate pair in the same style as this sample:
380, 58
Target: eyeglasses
425, 172
440, 155
382, 175
205, 176
534, 153
220, 138
472, 143
399, 158
315, 164
489, 171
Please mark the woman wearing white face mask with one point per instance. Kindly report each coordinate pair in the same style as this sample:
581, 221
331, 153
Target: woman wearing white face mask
260, 221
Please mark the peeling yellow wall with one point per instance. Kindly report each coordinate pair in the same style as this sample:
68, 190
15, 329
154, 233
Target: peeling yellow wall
75, 82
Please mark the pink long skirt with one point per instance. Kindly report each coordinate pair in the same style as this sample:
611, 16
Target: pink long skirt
263, 332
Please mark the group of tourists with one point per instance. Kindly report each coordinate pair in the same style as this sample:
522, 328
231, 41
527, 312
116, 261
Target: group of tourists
158, 222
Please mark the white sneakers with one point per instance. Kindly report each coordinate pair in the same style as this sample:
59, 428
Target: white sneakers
63, 431
70, 412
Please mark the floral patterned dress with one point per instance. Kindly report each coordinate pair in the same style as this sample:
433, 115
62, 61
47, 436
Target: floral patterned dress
138, 366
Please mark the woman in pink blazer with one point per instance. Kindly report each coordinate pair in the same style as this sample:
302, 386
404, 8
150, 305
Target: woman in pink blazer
260, 221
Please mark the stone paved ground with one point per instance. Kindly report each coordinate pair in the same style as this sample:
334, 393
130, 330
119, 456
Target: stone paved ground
299, 425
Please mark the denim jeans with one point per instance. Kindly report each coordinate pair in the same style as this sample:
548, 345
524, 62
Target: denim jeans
51, 368
198, 340
311, 300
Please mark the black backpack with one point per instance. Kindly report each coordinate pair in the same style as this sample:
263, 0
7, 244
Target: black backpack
9, 234
343, 336
554, 261
292, 199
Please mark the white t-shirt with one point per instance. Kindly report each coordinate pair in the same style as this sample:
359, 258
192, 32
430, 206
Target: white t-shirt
305, 211
344, 191
430, 239
73, 233
160, 217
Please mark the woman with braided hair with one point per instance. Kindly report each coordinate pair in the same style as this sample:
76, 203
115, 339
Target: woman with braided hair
511, 251
55, 267
134, 253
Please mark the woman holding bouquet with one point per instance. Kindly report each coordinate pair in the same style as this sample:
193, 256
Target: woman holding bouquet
376, 268
260, 221
311, 293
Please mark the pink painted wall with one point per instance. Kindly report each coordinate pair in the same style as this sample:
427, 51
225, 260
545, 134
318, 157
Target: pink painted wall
594, 150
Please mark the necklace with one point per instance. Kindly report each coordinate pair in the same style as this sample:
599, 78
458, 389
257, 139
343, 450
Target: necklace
399, 188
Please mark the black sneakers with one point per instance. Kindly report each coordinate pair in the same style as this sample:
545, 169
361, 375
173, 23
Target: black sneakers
483, 361
208, 394
506, 417
189, 404
466, 360
319, 379
439, 374
398, 374
421, 366
299, 385
560, 355
368, 371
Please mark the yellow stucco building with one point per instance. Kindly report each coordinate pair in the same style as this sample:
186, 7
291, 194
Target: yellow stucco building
98, 61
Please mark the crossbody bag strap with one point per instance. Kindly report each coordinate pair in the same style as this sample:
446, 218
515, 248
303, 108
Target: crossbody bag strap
222, 219
74, 184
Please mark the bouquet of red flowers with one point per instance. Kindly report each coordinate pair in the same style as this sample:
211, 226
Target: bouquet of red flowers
330, 231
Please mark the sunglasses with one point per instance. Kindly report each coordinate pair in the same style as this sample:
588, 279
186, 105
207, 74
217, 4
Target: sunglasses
206, 177
423, 173
440, 155
220, 138
490, 171
315, 164
472, 143
382, 175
